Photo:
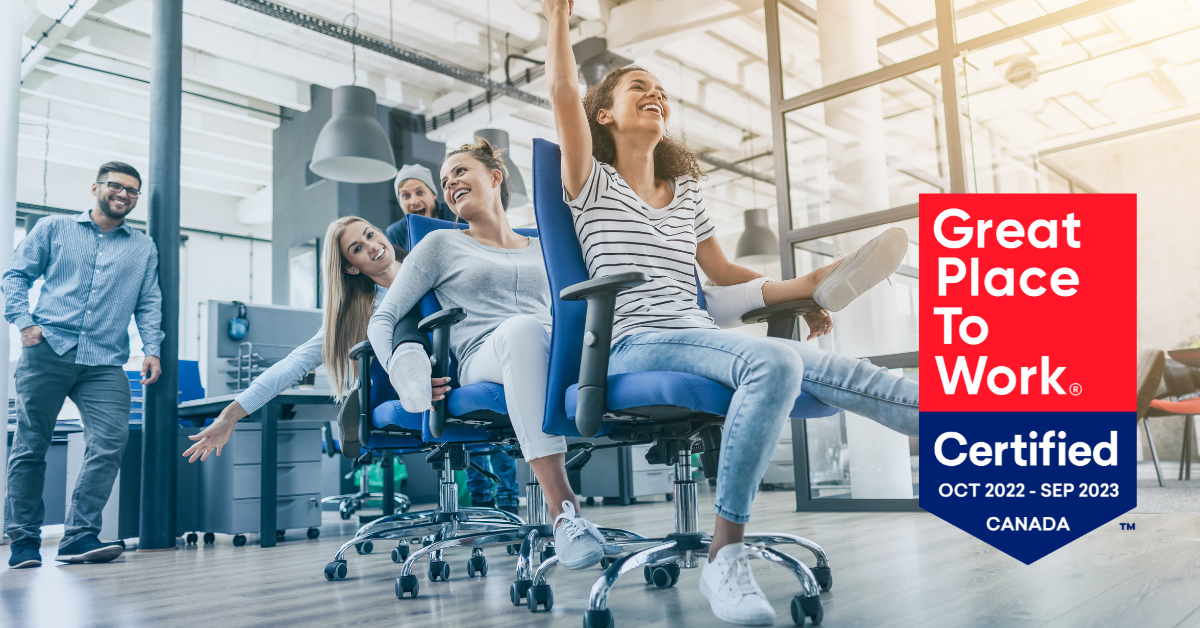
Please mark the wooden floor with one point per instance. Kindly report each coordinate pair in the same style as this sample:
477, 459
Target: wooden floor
889, 570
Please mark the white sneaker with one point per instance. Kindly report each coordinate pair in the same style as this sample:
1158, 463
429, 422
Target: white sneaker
731, 590
862, 270
410, 371
577, 542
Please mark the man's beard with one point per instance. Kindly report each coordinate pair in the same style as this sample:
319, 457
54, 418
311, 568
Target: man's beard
110, 212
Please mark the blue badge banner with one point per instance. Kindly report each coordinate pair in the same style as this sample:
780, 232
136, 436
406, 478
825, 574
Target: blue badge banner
1028, 483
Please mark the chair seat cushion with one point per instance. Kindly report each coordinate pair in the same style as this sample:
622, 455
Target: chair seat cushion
484, 399
697, 394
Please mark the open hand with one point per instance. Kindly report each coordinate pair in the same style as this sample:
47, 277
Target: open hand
210, 439
819, 323
550, 7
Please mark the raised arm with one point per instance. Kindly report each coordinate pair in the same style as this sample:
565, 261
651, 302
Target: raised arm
562, 77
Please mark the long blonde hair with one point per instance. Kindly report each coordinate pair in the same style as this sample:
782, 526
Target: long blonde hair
349, 303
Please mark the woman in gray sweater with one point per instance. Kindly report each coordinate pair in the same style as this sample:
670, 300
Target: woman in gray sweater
497, 276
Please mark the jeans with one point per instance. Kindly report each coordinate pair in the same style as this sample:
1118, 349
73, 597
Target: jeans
43, 380
767, 374
517, 355
480, 486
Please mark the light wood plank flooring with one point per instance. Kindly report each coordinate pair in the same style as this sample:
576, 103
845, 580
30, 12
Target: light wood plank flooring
889, 570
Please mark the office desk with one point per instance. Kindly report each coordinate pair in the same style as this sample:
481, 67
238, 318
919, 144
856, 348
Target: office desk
269, 415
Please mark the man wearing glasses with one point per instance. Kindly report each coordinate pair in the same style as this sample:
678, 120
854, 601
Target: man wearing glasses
98, 272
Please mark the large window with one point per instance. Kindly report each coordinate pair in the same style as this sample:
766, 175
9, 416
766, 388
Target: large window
875, 102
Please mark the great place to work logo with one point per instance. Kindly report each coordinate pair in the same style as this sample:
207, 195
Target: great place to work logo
1028, 365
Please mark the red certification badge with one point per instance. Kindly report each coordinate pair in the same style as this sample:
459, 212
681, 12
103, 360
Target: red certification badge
1028, 365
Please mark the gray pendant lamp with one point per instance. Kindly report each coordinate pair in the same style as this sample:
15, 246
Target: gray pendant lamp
518, 197
758, 244
353, 147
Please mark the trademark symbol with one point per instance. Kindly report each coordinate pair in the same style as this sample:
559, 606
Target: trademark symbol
1127, 526
1076, 389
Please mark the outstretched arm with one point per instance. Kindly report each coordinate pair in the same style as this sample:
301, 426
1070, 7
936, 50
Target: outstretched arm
562, 77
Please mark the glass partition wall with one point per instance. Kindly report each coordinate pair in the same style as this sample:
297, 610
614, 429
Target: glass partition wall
875, 102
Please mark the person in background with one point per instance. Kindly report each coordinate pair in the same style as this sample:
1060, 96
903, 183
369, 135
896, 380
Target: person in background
98, 272
417, 195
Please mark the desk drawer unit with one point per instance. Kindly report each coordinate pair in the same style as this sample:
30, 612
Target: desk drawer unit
241, 516
292, 478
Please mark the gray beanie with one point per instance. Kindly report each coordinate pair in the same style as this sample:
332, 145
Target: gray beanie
418, 172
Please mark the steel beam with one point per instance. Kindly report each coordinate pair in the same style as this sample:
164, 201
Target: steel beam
161, 411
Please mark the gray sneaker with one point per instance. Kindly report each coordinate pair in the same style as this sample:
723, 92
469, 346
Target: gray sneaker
862, 270
577, 542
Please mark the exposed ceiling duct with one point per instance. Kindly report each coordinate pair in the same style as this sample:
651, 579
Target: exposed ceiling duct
351, 36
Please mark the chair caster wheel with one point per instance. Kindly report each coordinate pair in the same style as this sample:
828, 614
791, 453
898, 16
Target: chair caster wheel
279, 534
598, 619
665, 576
547, 553
591, 501
239, 540
345, 514
477, 566
407, 584
439, 569
313, 533
670, 497
513, 550
335, 570
191, 538
607, 561
365, 547
209, 538
540, 595
400, 553
518, 591
824, 576
807, 607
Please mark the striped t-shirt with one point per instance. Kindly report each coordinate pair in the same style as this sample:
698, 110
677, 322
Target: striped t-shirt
620, 233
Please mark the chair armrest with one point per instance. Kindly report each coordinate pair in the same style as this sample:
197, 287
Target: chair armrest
358, 349
616, 283
363, 354
601, 297
780, 318
438, 326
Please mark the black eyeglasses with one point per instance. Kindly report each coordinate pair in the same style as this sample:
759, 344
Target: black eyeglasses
116, 188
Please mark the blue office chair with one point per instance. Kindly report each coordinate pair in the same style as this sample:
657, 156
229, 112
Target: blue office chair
674, 411
475, 415
386, 430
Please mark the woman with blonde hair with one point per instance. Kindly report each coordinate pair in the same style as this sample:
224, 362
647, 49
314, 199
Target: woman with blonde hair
360, 266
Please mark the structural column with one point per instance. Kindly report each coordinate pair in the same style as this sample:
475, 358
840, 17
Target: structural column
161, 412
11, 20
880, 467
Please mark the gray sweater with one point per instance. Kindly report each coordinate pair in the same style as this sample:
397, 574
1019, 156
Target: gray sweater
492, 285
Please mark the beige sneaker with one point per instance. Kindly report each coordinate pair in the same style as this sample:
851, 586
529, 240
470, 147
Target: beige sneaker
862, 270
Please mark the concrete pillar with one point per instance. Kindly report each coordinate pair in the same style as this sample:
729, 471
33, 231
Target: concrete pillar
10, 106
879, 459
161, 418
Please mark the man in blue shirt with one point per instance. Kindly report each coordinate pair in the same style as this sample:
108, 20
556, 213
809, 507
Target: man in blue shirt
98, 273
417, 195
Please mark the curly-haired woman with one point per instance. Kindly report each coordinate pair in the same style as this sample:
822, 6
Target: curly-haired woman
635, 198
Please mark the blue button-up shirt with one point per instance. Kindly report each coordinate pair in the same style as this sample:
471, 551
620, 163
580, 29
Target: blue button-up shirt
94, 281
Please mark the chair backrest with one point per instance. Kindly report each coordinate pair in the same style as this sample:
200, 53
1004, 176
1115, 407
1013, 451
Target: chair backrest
564, 267
418, 228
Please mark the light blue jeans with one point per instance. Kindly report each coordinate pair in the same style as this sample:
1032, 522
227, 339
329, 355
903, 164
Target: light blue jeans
767, 374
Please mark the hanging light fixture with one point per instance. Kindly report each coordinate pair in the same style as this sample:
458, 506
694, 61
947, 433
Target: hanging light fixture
352, 146
758, 244
518, 197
